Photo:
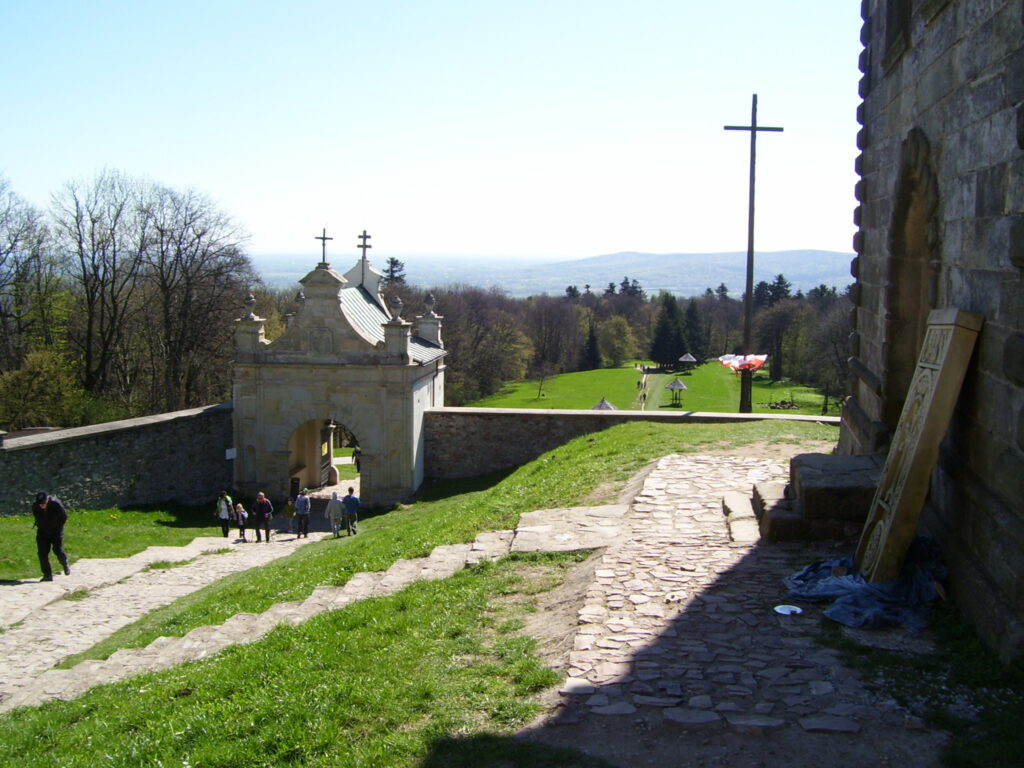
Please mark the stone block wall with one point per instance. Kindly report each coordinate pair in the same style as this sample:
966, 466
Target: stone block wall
941, 224
176, 457
468, 442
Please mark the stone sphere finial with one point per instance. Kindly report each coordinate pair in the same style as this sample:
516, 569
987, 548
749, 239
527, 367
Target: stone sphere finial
429, 302
250, 302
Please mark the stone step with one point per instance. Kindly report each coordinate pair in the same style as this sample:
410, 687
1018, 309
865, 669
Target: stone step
490, 546
444, 561
240, 622
784, 519
835, 487
737, 505
739, 513
767, 495
161, 642
361, 584
207, 640
400, 574
323, 598
291, 611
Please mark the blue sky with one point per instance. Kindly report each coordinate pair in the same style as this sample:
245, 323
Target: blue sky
516, 128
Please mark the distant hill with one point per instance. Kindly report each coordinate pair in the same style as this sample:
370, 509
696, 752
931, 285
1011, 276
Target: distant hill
683, 274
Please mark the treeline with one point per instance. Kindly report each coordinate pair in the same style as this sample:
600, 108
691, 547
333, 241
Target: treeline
116, 301
119, 301
493, 339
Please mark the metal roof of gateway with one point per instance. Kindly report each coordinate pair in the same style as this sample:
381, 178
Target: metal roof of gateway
367, 318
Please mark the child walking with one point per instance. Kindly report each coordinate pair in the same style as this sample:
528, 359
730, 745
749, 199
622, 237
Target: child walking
240, 516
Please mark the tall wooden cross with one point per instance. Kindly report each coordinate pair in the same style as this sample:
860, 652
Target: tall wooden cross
323, 238
746, 376
364, 245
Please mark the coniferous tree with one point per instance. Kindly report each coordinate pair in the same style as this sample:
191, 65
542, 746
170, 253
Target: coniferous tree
779, 290
693, 333
762, 295
591, 351
394, 273
667, 333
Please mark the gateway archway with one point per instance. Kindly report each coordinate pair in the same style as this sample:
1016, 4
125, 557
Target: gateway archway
344, 358
319, 454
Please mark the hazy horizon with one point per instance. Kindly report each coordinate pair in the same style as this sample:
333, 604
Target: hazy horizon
683, 274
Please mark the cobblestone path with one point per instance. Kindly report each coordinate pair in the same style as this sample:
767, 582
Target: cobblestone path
679, 634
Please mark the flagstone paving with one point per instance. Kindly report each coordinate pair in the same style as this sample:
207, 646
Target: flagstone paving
678, 633
677, 628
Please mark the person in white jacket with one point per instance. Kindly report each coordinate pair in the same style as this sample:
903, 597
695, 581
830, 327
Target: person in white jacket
335, 512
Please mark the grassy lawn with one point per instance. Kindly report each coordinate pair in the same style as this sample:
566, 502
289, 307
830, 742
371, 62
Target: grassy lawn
102, 533
346, 472
570, 390
713, 387
384, 682
710, 387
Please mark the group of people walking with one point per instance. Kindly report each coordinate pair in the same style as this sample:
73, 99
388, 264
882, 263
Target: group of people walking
341, 513
50, 516
262, 511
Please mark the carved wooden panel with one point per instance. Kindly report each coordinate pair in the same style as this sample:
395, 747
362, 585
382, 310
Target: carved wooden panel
896, 509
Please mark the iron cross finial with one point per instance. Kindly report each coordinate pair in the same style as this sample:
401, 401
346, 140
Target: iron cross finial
323, 238
364, 245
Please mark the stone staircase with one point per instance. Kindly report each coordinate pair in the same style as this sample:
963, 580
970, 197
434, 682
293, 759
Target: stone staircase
574, 528
202, 642
827, 497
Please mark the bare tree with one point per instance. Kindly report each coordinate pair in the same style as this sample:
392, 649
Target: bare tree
28, 281
195, 275
101, 230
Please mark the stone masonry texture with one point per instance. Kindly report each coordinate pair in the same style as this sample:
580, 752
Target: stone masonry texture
172, 457
941, 191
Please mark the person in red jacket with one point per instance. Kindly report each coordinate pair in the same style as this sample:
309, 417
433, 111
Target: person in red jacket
50, 517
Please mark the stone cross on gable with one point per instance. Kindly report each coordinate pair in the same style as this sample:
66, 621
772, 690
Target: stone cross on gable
364, 245
323, 238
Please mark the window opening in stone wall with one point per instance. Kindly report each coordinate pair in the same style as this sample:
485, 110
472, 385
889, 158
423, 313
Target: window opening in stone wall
912, 280
897, 30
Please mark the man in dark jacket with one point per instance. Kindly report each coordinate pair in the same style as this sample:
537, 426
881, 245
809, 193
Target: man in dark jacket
262, 511
50, 517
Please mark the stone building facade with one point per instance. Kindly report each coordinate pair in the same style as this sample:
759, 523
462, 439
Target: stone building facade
345, 359
941, 224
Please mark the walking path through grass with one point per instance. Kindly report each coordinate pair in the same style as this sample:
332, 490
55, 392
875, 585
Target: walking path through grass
48, 621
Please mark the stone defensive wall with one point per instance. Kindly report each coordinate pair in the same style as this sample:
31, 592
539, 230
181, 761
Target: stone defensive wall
180, 456
467, 442
176, 457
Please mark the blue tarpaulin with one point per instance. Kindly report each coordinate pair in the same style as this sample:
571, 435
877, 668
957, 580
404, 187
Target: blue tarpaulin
859, 603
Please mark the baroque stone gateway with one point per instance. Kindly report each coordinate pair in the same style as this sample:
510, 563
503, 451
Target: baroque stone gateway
345, 359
